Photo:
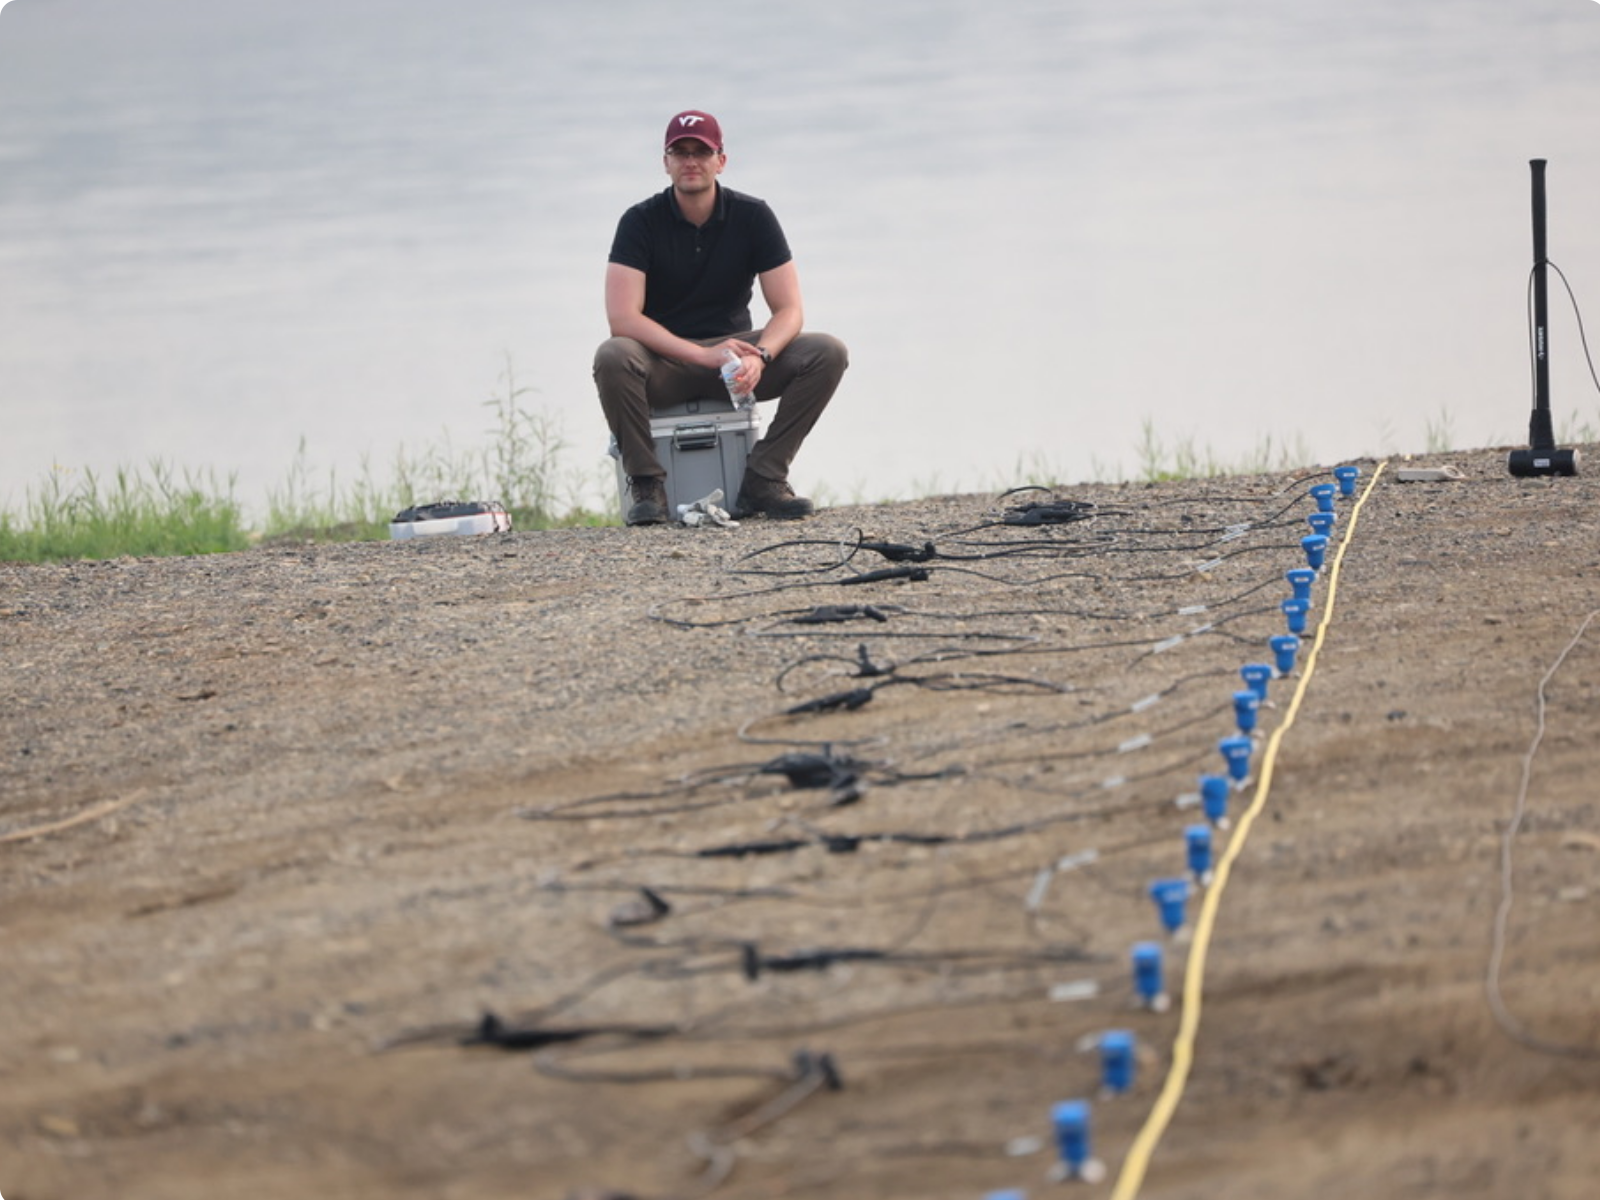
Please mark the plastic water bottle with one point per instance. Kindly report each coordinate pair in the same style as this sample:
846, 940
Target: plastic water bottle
731, 366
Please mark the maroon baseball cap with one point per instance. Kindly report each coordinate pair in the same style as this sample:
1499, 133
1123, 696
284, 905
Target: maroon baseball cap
701, 126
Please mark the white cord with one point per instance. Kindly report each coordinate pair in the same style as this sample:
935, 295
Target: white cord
1513, 1028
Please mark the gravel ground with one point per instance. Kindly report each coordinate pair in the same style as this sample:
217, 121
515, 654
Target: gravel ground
281, 827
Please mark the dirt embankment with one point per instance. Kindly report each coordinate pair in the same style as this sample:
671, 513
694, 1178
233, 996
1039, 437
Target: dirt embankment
279, 828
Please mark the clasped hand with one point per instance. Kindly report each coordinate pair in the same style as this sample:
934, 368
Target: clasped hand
750, 363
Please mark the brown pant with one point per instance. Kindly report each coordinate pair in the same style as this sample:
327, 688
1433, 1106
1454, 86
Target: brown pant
632, 380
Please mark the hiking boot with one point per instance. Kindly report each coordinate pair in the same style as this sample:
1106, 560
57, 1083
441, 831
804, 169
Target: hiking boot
759, 496
649, 500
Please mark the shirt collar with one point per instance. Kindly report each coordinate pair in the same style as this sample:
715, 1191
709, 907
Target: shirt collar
719, 210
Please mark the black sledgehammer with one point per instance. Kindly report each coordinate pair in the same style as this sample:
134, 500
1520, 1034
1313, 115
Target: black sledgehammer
1542, 457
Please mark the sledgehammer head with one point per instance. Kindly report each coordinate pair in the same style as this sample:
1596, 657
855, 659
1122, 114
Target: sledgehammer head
1525, 463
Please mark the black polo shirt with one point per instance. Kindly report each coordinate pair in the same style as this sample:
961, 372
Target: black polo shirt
699, 279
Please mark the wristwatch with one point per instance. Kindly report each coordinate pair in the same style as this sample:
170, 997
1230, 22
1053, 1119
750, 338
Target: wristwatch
766, 355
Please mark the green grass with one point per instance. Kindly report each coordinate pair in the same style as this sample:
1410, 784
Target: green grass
1159, 460
1440, 433
1572, 431
520, 465
75, 515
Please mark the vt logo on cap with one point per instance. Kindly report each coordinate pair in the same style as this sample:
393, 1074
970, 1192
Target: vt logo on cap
701, 126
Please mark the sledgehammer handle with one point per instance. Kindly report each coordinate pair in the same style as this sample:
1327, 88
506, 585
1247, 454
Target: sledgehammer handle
1541, 435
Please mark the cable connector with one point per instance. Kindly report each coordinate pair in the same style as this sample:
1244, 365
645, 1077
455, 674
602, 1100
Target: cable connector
645, 909
752, 962
867, 668
909, 574
1052, 512
824, 770
834, 614
807, 1064
853, 699
900, 552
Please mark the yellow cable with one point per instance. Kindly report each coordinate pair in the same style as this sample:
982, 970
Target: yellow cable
1144, 1145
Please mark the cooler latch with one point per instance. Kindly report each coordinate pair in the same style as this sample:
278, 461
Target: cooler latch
695, 437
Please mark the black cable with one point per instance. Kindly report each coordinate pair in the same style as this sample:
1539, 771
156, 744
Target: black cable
1067, 541
1577, 312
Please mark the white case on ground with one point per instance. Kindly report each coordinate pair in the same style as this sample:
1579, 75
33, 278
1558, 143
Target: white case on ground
493, 520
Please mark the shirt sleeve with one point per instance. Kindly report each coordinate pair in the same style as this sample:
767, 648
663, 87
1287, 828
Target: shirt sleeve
631, 245
770, 247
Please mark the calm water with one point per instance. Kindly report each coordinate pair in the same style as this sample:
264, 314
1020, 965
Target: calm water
1039, 224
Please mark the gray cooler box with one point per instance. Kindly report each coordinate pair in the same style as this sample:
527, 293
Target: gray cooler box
703, 444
